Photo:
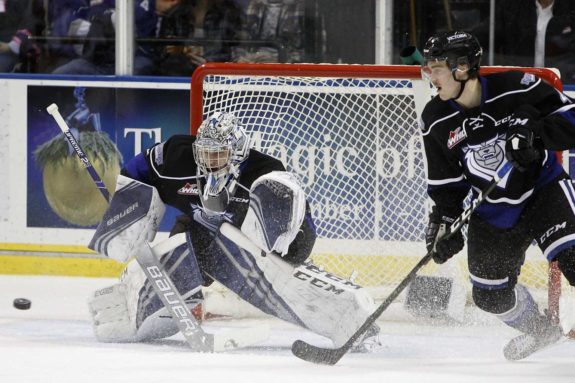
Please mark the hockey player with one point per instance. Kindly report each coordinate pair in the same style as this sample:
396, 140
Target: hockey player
469, 128
215, 178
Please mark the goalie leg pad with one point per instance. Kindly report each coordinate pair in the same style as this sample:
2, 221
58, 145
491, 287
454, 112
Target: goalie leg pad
276, 211
306, 296
131, 310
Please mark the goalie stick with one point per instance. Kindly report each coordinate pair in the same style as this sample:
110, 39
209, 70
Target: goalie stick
331, 356
147, 257
53, 110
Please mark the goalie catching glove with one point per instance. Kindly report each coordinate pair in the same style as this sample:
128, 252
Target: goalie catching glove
443, 249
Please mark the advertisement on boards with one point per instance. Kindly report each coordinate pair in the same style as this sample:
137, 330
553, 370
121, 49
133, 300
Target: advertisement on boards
111, 125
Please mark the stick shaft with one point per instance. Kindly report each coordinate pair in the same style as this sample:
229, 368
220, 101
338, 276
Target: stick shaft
53, 110
331, 356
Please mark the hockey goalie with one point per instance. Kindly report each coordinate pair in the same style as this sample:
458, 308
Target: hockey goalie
248, 226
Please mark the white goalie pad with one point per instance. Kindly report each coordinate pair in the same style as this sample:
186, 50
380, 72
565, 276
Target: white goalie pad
132, 219
276, 212
307, 295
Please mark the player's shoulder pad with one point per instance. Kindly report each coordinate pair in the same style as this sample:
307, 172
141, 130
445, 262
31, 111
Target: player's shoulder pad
177, 148
434, 109
505, 81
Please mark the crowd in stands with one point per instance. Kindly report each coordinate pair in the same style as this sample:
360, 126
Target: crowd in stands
77, 36
173, 37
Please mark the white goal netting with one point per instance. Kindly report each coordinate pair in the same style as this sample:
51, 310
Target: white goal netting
351, 134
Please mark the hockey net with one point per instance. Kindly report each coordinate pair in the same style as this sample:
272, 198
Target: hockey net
350, 132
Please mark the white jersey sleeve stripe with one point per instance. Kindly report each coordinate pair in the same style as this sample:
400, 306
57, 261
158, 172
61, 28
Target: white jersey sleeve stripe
563, 109
153, 165
437, 121
552, 249
513, 91
445, 181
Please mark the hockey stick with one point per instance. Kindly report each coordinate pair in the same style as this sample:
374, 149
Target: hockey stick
331, 356
53, 110
147, 257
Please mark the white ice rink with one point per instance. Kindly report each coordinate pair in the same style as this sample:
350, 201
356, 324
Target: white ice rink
53, 342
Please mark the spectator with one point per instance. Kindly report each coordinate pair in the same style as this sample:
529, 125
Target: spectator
546, 36
214, 24
18, 20
278, 22
99, 57
65, 18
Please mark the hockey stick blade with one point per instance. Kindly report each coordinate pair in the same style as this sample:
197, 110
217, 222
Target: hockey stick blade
331, 356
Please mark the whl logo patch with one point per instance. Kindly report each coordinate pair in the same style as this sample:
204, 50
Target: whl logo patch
455, 137
189, 189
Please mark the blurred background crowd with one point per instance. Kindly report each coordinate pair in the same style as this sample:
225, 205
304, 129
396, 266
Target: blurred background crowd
173, 37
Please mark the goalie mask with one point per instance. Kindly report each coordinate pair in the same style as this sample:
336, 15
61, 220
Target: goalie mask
221, 146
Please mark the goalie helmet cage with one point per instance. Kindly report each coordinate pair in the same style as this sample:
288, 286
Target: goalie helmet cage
350, 132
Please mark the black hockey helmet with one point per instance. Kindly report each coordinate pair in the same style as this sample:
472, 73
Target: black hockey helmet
456, 48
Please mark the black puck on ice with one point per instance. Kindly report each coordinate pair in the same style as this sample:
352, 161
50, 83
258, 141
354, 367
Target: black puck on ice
22, 303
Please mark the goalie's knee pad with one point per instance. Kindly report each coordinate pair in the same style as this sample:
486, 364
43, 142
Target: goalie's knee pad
494, 301
276, 212
566, 262
131, 310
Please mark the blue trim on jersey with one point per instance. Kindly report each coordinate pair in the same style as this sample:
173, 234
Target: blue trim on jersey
138, 168
569, 115
504, 215
501, 215
551, 256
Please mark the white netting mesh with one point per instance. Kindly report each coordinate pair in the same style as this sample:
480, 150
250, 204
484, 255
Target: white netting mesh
355, 144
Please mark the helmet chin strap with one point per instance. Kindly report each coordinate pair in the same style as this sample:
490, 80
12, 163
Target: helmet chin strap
462, 85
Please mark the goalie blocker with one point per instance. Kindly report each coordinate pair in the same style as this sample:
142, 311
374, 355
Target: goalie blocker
249, 262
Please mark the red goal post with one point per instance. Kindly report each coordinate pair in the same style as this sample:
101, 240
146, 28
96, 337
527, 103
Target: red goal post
336, 119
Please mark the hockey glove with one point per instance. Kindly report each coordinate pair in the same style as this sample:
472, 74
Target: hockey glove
523, 147
443, 249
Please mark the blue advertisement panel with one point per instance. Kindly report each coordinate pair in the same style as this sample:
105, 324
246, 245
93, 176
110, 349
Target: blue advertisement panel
112, 125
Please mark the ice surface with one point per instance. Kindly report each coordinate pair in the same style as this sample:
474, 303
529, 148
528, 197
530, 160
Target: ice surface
53, 342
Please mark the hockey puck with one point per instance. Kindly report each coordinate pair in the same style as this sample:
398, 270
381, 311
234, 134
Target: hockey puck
22, 303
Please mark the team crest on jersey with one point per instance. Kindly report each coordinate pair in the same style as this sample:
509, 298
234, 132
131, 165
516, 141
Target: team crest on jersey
484, 159
455, 137
527, 79
189, 189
